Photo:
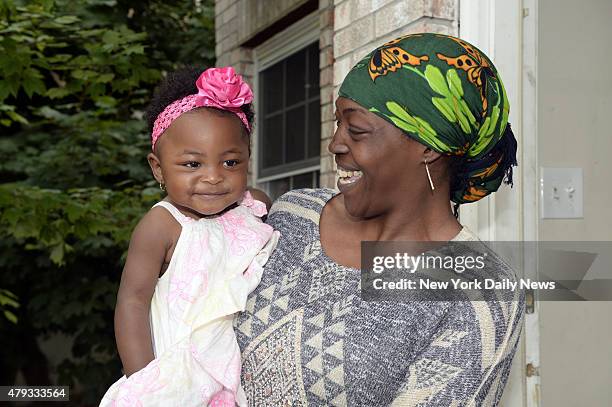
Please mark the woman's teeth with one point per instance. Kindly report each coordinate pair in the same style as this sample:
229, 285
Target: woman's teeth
348, 177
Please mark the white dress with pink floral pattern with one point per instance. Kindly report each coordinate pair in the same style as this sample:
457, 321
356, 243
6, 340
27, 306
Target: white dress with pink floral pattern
216, 263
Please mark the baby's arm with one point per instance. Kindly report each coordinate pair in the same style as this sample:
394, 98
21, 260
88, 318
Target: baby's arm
149, 244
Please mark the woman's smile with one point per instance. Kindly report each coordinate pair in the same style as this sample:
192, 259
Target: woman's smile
347, 178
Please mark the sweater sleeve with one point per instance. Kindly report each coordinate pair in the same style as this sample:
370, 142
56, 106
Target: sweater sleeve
468, 361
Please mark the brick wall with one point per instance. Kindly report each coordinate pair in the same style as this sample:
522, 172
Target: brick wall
362, 25
326, 22
228, 51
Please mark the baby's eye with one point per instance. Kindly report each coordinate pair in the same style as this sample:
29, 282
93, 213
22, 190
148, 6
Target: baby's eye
230, 163
192, 164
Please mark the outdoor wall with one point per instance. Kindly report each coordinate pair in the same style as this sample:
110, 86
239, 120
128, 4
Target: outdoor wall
574, 109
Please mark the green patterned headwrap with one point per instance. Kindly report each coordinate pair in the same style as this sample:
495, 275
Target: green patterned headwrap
447, 95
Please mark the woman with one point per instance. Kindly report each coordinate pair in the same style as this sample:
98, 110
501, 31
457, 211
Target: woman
421, 119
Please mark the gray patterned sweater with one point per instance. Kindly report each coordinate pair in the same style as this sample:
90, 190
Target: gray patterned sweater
307, 338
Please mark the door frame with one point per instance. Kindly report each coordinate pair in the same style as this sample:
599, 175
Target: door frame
507, 31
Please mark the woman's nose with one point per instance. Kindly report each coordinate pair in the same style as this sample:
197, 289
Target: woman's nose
337, 144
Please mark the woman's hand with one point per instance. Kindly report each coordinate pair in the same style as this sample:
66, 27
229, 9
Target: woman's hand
261, 196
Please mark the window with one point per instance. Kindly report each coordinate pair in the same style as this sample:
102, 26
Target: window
290, 115
289, 111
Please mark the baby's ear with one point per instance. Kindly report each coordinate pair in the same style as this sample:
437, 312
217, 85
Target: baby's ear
156, 169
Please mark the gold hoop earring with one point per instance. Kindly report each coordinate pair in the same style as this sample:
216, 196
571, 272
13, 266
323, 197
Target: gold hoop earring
429, 176
162, 187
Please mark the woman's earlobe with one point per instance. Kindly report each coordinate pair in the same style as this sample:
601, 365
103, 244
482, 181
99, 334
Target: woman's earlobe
430, 156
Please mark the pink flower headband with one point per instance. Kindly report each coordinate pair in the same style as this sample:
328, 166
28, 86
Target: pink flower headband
217, 87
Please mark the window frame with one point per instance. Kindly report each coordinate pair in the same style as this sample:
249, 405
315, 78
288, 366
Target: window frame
282, 45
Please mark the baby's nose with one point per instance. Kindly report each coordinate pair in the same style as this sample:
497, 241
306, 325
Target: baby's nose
212, 176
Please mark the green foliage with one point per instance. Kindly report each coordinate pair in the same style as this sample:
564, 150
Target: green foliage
76, 77
8, 300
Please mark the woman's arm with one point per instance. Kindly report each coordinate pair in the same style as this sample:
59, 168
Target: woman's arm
469, 359
146, 255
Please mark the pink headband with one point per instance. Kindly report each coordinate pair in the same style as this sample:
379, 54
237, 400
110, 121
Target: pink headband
217, 87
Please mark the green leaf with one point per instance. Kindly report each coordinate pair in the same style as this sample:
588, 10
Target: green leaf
4, 90
110, 40
50, 113
436, 80
494, 118
401, 113
134, 49
16, 117
463, 121
442, 105
32, 85
454, 83
11, 84
10, 316
430, 136
57, 58
425, 127
505, 113
5, 300
104, 78
106, 102
404, 125
57, 254
7, 294
468, 113
66, 20
74, 212
482, 139
57, 93
84, 74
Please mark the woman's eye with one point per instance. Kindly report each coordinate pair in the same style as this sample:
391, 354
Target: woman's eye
355, 132
230, 163
338, 123
192, 164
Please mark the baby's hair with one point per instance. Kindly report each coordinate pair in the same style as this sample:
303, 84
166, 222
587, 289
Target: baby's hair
178, 84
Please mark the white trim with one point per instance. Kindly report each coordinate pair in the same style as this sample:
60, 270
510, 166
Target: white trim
530, 197
475, 23
288, 41
294, 38
477, 26
289, 174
